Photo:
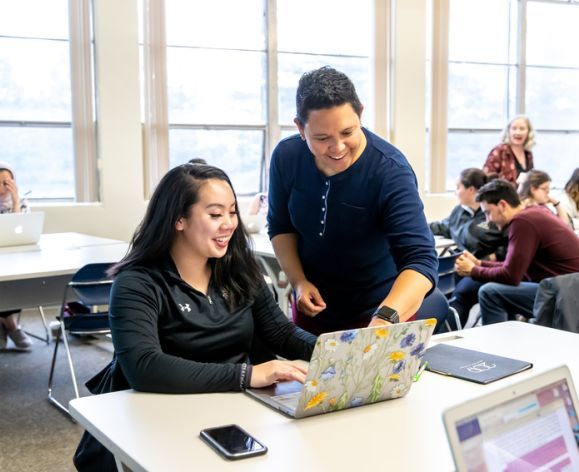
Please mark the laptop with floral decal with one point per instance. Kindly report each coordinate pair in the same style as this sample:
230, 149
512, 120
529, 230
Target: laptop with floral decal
353, 368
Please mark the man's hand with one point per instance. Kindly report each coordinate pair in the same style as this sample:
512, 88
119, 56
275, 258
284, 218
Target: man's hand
309, 300
263, 375
464, 264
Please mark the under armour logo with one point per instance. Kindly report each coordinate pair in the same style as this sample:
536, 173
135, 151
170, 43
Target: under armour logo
185, 307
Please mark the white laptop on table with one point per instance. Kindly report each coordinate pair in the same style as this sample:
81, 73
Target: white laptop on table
531, 425
353, 368
20, 229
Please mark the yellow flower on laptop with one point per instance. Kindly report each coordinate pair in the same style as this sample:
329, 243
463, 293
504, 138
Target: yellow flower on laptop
394, 378
381, 332
369, 350
331, 344
316, 400
397, 356
431, 322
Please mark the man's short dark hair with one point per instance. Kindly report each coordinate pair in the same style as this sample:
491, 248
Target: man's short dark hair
497, 190
324, 88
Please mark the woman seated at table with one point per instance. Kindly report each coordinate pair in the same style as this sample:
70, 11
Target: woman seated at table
534, 190
11, 202
188, 302
466, 225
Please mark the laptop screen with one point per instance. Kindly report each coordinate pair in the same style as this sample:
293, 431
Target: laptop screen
538, 430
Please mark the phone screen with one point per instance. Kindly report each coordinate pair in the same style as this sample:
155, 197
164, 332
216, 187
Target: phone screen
232, 441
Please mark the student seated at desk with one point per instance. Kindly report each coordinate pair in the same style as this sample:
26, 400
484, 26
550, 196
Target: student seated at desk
466, 225
11, 202
540, 246
534, 190
188, 302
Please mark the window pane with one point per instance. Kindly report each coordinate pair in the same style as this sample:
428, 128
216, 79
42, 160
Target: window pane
238, 153
34, 80
218, 24
552, 34
34, 18
556, 154
325, 26
292, 66
467, 150
477, 95
42, 159
218, 87
553, 97
479, 31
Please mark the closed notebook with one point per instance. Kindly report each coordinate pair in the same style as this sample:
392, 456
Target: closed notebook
475, 366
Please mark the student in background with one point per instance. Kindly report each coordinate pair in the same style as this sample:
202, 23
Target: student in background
345, 218
466, 225
540, 245
188, 301
535, 189
570, 198
513, 156
11, 202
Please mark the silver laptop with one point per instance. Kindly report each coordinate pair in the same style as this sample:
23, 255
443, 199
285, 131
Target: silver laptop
353, 368
531, 425
19, 229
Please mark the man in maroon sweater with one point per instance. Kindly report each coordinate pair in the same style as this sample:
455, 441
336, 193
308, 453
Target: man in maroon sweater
540, 246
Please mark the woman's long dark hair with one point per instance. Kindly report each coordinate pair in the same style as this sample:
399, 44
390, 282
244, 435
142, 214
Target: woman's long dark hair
236, 274
572, 187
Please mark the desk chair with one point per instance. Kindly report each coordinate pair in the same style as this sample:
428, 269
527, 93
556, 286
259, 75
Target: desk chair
436, 306
447, 282
86, 316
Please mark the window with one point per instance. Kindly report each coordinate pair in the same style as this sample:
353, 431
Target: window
36, 100
524, 64
231, 78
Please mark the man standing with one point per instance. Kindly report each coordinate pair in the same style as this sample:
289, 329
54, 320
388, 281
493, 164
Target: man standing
540, 246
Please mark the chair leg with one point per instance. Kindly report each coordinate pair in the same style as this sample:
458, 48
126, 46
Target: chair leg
51, 398
46, 337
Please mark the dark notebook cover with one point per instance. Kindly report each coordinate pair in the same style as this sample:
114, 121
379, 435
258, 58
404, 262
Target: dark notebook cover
476, 366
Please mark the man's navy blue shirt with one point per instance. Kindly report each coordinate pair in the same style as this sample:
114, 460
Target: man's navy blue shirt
357, 230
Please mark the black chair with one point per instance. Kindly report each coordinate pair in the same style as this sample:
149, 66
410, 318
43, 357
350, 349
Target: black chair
436, 306
447, 282
88, 315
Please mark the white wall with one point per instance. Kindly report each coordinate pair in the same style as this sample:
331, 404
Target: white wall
119, 131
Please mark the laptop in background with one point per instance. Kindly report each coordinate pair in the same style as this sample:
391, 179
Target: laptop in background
353, 368
531, 425
20, 229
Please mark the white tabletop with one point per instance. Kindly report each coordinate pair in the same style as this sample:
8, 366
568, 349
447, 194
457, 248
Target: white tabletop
158, 432
57, 254
263, 247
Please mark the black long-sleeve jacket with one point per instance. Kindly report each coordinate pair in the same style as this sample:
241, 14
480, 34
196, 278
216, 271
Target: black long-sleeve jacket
171, 338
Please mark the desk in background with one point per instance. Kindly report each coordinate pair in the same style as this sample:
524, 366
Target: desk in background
35, 275
263, 250
157, 432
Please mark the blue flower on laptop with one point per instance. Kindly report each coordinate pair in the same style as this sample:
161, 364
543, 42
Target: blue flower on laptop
417, 351
369, 350
357, 401
408, 340
331, 344
348, 336
398, 367
329, 373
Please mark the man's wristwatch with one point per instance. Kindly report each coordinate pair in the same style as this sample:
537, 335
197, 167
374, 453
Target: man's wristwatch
387, 314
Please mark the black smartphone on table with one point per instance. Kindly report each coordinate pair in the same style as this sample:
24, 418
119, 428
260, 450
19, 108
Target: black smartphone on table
232, 442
